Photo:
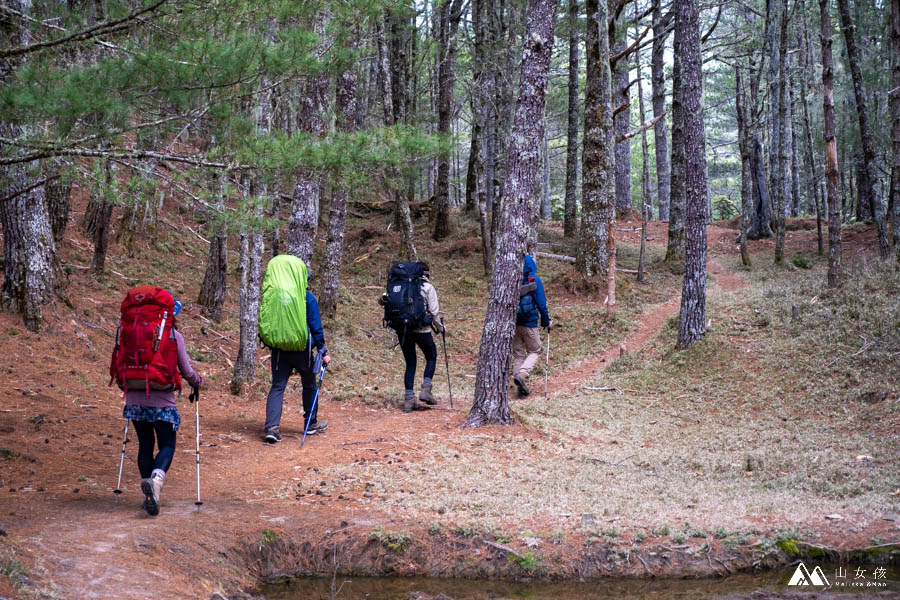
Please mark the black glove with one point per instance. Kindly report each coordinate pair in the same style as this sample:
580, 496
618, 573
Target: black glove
195, 394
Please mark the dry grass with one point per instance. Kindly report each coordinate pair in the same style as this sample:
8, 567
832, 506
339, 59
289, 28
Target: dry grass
768, 422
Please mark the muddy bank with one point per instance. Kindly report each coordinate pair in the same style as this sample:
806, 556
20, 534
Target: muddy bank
280, 555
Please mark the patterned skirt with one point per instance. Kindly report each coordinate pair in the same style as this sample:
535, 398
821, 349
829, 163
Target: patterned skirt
169, 414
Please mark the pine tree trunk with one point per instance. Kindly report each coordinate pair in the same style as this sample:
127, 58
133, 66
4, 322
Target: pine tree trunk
692, 319
646, 203
675, 244
868, 144
215, 281
795, 160
761, 227
622, 98
780, 136
251, 280
809, 162
776, 179
746, 172
661, 128
102, 221
449, 13
56, 193
570, 218
895, 123
491, 405
346, 102
831, 162
597, 164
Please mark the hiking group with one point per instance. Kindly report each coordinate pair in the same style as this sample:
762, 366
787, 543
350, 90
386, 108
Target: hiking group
149, 359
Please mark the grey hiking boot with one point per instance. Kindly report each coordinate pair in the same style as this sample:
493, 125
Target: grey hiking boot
520, 383
425, 395
317, 427
273, 435
409, 401
151, 488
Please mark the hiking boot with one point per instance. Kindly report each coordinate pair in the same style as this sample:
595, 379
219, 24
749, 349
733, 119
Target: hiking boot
151, 488
317, 427
520, 383
425, 395
409, 402
273, 435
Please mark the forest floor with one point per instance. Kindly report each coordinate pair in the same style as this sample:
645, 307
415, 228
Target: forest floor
775, 437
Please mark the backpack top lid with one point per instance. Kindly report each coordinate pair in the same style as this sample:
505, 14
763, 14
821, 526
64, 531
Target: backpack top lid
406, 270
149, 295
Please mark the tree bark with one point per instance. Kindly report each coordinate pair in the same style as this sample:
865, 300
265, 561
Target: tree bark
746, 173
570, 218
868, 144
895, 123
103, 217
57, 191
692, 319
675, 243
646, 204
661, 128
450, 13
215, 281
622, 97
780, 137
491, 405
334, 244
597, 166
831, 162
809, 162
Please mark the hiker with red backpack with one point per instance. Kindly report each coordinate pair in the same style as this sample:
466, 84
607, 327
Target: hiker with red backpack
148, 362
411, 309
526, 347
290, 324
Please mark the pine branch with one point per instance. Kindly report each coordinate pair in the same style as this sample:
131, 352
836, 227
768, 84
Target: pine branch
37, 184
616, 57
91, 32
197, 161
644, 127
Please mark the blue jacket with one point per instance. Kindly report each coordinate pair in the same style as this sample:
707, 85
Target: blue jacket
314, 322
539, 305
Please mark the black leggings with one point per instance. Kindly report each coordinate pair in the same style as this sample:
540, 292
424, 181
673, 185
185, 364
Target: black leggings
164, 436
424, 341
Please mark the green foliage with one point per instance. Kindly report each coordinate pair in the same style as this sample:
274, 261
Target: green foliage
723, 207
397, 541
528, 561
801, 262
269, 536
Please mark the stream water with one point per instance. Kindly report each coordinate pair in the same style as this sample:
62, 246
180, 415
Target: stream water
772, 584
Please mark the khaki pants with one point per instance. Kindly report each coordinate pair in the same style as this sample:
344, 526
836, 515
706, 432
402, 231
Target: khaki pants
526, 349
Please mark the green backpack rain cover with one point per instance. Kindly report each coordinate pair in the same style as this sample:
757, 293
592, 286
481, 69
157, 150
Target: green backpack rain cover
282, 309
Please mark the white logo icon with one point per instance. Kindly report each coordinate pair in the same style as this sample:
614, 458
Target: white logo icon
802, 576
396, 288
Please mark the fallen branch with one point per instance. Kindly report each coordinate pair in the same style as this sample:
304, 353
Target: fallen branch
602, 388
562, 257
505, 548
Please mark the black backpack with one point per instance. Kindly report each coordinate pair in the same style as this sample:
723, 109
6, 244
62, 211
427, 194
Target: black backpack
405, 306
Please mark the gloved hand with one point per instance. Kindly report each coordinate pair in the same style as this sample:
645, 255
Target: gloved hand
199, 381
195, 394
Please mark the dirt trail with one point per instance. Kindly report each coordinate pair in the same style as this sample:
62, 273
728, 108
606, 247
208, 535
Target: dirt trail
75, 536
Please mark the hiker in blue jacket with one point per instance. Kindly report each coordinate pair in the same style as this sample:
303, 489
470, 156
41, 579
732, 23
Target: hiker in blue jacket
283, 364
526, 345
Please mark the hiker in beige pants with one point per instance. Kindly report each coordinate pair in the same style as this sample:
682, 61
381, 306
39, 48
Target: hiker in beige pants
532, 309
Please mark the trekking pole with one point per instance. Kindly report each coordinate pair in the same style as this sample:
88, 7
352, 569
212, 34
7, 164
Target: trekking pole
312, 410
547, 365
446, 361
118, 490
195, 397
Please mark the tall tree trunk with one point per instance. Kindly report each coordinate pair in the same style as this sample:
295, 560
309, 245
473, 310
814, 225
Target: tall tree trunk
692, 319
661, 128
776, 178
545, 174
334, 245
103, 217
868, 144
450, 13
597, 166
57, 191
809, 162
622, 103
215, 281
570, 218
895, 122
746, 173
831, 162
780, 136
761, 226
491, 405
646, 203
795, 159
675, 244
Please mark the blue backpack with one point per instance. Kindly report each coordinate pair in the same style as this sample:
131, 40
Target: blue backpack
527, 305
405, 306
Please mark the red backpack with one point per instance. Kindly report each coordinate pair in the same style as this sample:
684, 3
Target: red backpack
146, 354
